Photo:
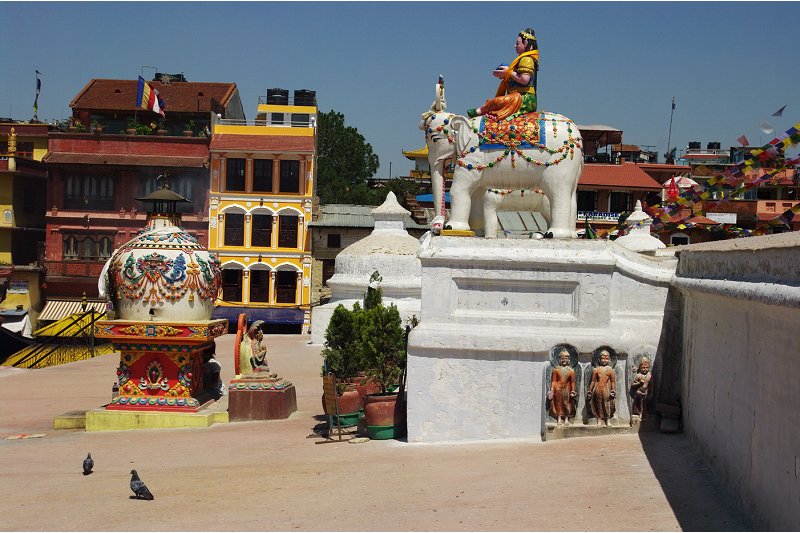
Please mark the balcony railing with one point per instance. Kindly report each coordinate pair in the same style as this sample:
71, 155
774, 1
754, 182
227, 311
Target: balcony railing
77, 267
306, 122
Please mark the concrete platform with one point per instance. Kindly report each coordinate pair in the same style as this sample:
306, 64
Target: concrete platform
104, 420
659, 481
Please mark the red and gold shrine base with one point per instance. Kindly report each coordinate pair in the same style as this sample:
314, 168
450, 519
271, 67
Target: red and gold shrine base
161, 363
253, 397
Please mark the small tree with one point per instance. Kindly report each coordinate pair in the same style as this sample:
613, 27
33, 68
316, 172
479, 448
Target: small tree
374, 295
342, 350
382, 345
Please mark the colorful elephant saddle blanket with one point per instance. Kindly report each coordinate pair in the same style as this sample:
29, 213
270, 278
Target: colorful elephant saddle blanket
523, 131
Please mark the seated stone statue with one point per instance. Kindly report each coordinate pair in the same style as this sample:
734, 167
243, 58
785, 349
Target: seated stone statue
252, 352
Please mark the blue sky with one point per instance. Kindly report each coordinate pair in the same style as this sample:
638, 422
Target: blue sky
729, 65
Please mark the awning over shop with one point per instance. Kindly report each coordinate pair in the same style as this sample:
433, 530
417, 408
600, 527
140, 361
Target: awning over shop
58, 309
270, 316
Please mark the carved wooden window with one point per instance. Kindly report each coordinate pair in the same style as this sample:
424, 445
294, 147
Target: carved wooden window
259, 286
287, 231
232, 285
262, 231
234, 229
262, 175
286, 286
89, 193
234, 174
70, 250
290, 176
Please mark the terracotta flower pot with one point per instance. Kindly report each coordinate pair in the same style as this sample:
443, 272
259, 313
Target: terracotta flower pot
348, 402
383, 410
365, 386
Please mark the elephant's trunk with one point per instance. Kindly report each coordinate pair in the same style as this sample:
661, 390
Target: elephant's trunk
437, 187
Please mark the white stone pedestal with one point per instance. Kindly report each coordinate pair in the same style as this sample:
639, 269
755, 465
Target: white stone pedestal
492, 310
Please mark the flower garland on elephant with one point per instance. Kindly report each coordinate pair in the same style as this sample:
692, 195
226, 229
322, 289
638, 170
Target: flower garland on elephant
512, 140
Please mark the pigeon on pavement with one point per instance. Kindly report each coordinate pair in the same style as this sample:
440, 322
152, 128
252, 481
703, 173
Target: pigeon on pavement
88, 464
139, 488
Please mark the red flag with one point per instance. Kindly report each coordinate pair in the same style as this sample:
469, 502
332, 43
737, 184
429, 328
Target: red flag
743, 141
672, 190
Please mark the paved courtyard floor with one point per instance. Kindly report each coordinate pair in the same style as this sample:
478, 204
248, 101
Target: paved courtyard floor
247, 476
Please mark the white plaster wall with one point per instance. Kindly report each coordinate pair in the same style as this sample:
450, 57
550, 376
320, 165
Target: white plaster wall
493, 309
478, 396
741, 376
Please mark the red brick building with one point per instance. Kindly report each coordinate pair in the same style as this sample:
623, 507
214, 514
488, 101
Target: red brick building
96, 175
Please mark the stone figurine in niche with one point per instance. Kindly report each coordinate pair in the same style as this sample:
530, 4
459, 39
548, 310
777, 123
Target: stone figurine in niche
252, 352
640, 388
563, 390
602, 391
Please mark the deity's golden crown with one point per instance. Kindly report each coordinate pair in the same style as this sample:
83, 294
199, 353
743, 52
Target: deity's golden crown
527, 36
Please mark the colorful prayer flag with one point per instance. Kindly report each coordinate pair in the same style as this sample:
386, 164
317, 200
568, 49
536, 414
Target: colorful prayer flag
148, 98
589, 232
743, 141
672, 190
779, 112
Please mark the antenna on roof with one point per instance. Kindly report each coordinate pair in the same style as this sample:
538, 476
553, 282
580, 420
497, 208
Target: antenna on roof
668, 156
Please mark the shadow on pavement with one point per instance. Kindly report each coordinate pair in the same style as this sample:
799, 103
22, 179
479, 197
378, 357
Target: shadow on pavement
698, 499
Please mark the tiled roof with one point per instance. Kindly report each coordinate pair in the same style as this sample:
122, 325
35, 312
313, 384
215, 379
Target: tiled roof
179, 97
624, 148
625, 176
67, 158
353, 216
268, 143
413, 154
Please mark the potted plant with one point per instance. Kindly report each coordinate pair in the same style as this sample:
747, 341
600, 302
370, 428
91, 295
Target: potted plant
162, 127
342, 358
98, 126
131, 129
382, 346
188, 130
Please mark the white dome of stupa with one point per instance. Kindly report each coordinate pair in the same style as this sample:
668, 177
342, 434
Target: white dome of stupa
391, 251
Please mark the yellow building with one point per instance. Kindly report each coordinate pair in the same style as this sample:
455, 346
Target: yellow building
23, 192
262, 187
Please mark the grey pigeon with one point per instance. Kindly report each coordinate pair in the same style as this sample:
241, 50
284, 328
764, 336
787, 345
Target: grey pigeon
88, 464
139, 488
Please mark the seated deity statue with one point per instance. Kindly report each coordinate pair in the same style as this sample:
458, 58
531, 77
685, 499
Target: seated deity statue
517, 90
562, 393
252, 352
602, 390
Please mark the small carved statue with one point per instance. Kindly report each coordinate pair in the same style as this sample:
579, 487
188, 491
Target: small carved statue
640, 388
562, 393
603, 390
252, 352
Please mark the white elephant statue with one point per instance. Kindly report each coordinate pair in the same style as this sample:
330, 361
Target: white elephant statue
551, 160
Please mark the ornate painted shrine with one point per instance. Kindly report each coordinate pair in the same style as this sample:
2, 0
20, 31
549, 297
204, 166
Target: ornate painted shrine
161, 285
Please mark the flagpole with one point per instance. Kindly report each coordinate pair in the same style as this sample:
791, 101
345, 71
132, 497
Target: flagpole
669, 136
